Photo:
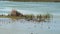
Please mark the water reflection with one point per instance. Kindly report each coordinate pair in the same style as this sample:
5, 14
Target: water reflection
10, 20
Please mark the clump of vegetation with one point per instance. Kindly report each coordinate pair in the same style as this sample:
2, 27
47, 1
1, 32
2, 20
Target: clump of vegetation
29, 17
44, 17
39, 18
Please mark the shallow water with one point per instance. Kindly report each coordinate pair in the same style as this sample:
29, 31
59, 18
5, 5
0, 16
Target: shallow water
9, 26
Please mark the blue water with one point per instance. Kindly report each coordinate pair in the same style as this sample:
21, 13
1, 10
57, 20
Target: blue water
8, 26
31, 7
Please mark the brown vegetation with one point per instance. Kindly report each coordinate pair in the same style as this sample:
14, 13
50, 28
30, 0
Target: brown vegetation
16, 15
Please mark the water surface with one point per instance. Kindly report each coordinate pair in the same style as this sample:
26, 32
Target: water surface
8, 26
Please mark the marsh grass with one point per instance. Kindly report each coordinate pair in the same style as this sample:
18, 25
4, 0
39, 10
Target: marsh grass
39, 18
